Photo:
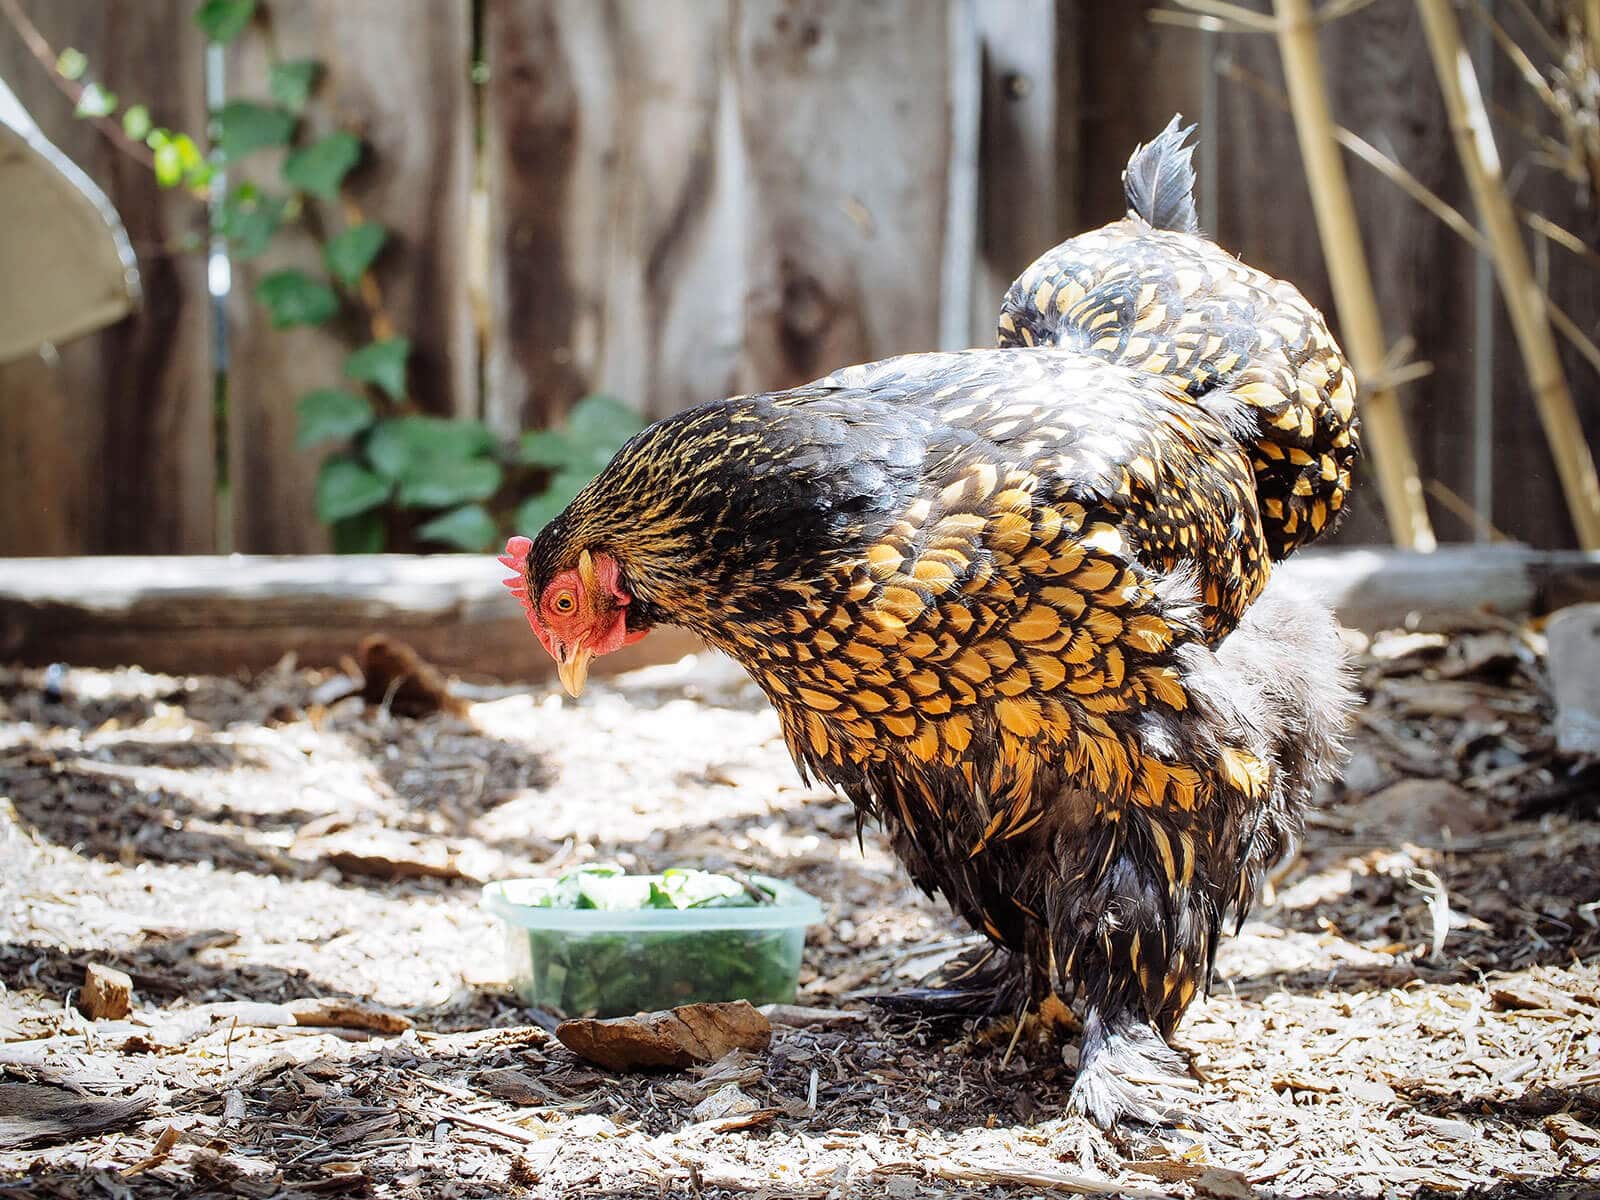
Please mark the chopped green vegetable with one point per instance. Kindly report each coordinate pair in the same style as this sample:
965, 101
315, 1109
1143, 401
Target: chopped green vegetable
606, 887
615, 973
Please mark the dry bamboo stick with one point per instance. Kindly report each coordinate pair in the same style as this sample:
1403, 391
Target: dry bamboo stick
1399, 482
1408, 183
1570, 329
1530, 319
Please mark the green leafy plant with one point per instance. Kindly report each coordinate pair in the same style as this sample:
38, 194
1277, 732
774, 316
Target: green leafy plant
595, 430
393, 477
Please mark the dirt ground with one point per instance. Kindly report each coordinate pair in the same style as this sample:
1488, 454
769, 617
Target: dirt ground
1415, 1012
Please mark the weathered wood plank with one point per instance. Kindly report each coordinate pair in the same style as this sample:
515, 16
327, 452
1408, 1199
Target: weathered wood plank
1135, 75
396, 72
211, 614
845, 110
85, 431
613, 164
1027, 148
692, 199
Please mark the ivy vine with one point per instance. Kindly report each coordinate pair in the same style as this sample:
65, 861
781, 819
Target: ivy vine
392, 476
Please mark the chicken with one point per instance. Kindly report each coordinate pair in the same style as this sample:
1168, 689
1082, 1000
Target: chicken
1015, 603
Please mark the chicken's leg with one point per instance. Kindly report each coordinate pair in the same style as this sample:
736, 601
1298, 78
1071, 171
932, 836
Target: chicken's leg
1126, 1071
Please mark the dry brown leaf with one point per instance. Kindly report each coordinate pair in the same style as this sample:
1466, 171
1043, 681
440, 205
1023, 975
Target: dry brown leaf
675, 1038
327, 1012
234, 1174
397, 677
383, 854
1529, 996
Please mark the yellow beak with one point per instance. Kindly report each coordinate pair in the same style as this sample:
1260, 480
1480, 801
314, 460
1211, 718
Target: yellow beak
574, 669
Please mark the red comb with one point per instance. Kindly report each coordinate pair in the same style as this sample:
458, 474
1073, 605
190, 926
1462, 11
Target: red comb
516, 555
516, 558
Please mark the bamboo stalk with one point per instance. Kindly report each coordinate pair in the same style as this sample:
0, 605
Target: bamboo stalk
1452, 220
1399, 482
1530, 319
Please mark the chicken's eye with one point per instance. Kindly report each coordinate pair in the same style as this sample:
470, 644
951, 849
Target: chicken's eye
563, 603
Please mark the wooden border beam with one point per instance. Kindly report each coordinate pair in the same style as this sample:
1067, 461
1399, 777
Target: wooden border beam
215, 615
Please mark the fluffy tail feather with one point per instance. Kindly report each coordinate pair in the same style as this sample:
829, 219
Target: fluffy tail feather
1288, 395
1159, 181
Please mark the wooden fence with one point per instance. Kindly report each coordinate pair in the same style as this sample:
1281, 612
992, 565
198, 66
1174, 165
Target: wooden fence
677, 200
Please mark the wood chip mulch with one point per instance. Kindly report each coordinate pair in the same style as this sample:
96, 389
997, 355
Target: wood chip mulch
288, 875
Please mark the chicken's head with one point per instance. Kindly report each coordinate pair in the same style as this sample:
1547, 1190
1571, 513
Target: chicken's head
581, 611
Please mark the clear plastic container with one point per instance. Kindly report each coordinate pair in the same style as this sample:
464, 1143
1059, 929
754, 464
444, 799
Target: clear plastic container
596, 962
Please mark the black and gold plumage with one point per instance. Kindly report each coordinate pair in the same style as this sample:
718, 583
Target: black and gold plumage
1015, 603
1151, 293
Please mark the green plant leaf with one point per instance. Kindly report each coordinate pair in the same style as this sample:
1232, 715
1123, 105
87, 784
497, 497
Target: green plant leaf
96, 101
136, 122
534, 514
345, 488
243, 127
188, 151
466, 528
400, 447
350, 253
545, 448
329, 413
294, 298
290, 83
593, 432
382, 364
178, 159
321, 167
224, 20
248, 219
598, 417
363, 533
169, 164
71, 63
196, 179
196, 171
438, 482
